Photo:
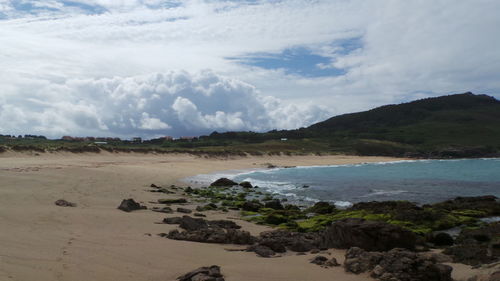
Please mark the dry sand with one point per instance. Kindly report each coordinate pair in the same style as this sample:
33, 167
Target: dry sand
95, 241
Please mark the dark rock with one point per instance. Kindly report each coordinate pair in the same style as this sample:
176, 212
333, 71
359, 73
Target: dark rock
278, 240
172, 201
275, 219
262, 251
227, 224
319, 260
199, 215
488, 204
477, 246
322, 208
188, 189
207, 207
368, 235
129, 205
166, 210
332, 262
442, 239
251, 206
191, 224
64, 203
274, 204
224, 182
212, 273
214, 235
184, 210
396, 264
246, 184
273, 245
173, 220
154, 186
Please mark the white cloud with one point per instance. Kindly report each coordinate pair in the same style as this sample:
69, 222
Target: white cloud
175, 103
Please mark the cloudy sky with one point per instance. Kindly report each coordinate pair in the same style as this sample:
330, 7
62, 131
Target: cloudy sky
184, 68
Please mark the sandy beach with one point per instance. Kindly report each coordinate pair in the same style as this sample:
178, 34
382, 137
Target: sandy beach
95, 241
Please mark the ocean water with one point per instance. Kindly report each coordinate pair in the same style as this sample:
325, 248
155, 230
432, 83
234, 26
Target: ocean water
420, 181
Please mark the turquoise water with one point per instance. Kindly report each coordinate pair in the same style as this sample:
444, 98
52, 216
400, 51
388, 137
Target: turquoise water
421, 181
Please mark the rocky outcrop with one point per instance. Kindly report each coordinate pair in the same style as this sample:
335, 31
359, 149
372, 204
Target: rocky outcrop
281, 240
246, 184
488, 204
213, 235
216, 231
368, 235
477, 246
224, 182
274, 204
251, 206
396, 265
211, 273
322, 208
64, 203
129, 205
184, 210
324, 261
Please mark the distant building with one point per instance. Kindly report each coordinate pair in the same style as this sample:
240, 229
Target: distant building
284, 139
137, 140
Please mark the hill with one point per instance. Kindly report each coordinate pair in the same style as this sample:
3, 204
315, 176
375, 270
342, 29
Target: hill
460, 125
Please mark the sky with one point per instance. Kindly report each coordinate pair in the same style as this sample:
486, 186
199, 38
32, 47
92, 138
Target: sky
153, 68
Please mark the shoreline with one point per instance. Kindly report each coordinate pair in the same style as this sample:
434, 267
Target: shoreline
95, 241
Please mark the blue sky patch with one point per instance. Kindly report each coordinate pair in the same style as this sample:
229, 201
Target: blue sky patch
298, 61
32, 8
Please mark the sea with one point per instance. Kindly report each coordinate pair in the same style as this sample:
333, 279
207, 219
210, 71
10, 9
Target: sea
419, 181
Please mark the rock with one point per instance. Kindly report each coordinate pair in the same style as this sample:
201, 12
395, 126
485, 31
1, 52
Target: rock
274, 204
184, 210
188, 189
488, 203
251, 206
279, 240
396, 264
224, 182
332, 262
172, 201
207, 207
227, 224
319, 260
477, 246
368, 235
442, 239
214, 235
261, 251
273, 245
322, 208
154, 186
358, 260
166, 210
172, 220
129, 205
246, 184
191, 224
199, 215
64, 203
211, 273
315, 251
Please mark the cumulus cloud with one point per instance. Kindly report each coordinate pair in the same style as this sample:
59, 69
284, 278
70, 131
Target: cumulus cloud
175, 103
